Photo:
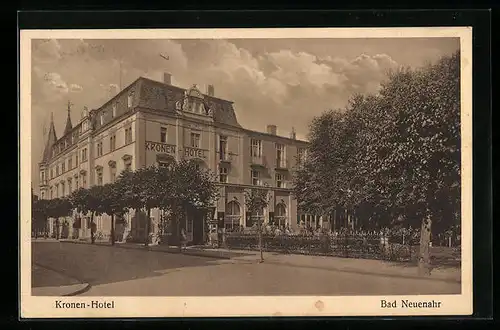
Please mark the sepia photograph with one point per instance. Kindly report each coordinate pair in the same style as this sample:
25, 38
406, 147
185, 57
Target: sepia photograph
250, 172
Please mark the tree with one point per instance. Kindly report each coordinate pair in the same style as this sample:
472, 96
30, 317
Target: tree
88, 200
425, 133
185, 188
40, 213
256, 200
140, 190
112, 203
59, 207
394, 155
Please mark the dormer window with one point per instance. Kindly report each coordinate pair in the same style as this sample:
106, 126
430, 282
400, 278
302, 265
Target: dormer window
114, 110
102, 119
130, 99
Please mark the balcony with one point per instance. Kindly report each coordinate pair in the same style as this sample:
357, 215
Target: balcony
258, 161
282, 164
225, 157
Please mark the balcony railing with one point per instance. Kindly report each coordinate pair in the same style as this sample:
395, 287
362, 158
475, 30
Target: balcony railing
282, 164
258, 160
225, 157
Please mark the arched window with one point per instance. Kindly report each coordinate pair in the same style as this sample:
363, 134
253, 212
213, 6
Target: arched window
280, 214
233, 215
255, 217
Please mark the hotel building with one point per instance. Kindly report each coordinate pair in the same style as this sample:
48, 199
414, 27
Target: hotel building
153, 123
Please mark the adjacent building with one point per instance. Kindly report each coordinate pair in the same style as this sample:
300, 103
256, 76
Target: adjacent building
154, 123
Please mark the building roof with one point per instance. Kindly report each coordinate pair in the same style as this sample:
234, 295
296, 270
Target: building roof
51, 140
69, 125
160, 96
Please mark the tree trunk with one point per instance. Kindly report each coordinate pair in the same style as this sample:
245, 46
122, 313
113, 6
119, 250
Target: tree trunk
424, 260
57, 229
148, 219
180, 218
334, 220
113, 229
92, 234
260, 239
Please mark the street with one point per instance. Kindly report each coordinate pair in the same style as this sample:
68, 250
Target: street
115, 271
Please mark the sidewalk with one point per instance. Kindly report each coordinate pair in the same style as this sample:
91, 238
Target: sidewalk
350, 265
49, 282
358, 266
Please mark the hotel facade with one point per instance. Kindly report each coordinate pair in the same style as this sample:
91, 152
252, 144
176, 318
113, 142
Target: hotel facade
154, 123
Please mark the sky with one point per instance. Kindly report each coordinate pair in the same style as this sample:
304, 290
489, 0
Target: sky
285, 82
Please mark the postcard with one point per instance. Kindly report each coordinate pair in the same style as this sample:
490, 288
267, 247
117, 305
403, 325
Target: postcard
246, 172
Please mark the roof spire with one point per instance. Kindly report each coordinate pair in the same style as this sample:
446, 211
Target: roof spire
69, 125
51, 140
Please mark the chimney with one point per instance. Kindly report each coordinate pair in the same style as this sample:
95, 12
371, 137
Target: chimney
293, 136
271, 129
167, 78
113, 91
210, 90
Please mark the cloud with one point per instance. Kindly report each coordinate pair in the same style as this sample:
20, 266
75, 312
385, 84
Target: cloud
75, 88
55, 81
46, 51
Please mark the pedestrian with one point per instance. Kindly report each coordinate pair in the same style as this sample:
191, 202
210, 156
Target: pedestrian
183, 239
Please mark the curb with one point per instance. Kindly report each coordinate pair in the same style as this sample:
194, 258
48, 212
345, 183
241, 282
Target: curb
149, 249
86, 288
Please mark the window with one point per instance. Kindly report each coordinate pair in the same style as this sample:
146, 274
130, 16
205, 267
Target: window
163, 135
232, 217
256, 148
76, 159
301, 155
195, 140
76, 183
57, 169
255, 178
63, 189
114, 110
51, 193
70, 162
84, 154
43, 195
280, 155
279, 181
57, 190
99, 149
99, 177
127, 162
84, 180
223, 174
112, 142
70, 186
128, 135
223, 147
63, 167
51, 173
112, 172
130, 99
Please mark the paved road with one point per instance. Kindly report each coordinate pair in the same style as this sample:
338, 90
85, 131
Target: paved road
116, 271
